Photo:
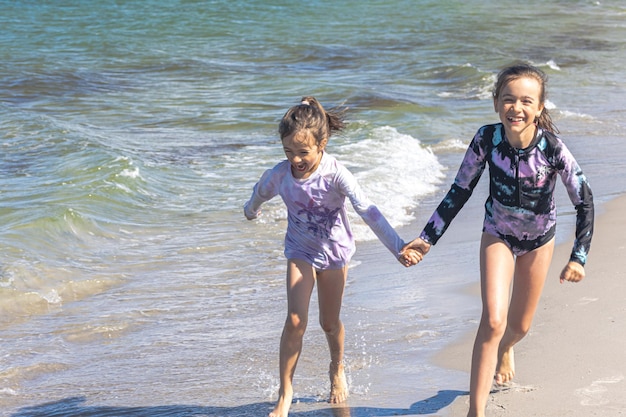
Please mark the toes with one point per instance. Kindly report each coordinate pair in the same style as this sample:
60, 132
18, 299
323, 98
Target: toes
503, 378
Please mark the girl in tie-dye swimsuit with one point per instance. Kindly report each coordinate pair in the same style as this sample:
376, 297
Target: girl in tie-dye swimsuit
525, 157
520, 209
319, 243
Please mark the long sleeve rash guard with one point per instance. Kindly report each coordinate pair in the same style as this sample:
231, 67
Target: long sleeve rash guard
520, 206
318, 229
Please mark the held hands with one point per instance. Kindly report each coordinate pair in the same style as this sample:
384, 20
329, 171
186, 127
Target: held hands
410, 257
573, 272
413, 252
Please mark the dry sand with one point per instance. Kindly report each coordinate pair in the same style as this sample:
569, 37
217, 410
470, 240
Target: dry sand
573, 361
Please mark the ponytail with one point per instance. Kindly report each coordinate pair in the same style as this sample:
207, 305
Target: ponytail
310, 115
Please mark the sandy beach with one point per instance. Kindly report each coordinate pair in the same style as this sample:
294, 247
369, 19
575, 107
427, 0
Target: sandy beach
132, 134
573, 361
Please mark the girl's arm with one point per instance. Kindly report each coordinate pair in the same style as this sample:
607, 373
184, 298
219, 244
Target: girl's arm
372, 216
582, 198
466, 179
264, 190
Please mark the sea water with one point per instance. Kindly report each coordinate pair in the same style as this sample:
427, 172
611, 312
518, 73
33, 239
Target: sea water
131, 134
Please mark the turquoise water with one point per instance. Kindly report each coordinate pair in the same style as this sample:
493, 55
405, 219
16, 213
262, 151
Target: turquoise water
132, 134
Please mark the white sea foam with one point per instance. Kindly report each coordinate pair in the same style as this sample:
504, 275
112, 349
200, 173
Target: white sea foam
395, 170
197, 121
450, 145
52, 296
8, 391
553, 65
131, 173
576, 115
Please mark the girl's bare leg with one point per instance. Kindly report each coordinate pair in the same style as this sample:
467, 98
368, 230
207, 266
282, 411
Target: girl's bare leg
531, 270
330, 287
300, 282
496, 270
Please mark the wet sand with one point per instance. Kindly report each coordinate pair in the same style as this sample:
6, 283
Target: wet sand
573, 361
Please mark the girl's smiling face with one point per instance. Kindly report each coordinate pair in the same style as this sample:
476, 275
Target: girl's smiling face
303, 152
518, 105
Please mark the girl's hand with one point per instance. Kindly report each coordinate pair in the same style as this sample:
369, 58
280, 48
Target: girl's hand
250, 215
573, 272
410, 257
419, 245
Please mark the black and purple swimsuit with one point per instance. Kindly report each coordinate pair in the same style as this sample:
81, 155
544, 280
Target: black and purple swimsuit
520, 208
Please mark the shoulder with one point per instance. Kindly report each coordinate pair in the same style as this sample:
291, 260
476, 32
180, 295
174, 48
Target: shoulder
281, 168
552, 147
488, 137
334, 171
492, 134
549, 141
329, 165
490, 129
329, 160
277, 172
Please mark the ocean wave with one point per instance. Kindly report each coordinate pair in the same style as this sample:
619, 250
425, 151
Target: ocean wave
464, 81
30, 289
554, 109
395, 170
575, 115
449, 146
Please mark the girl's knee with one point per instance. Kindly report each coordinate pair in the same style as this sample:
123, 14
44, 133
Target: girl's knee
330, 327
296, 323
493, 327
519, 329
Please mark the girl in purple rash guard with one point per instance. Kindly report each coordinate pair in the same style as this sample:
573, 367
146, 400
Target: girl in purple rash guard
525, 158
318, 243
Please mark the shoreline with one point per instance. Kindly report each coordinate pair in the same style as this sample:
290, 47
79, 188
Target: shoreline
572, 360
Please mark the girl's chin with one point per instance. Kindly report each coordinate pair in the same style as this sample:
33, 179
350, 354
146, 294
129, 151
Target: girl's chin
299, 173
516, 126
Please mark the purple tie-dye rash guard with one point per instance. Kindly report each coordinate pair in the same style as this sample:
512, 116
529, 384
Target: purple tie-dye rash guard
520, 208
318, 229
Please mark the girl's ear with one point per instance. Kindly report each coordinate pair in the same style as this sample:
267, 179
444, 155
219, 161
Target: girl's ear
495, 104
322, 144
541, 107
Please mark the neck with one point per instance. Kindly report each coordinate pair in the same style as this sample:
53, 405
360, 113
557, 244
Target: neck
522, 140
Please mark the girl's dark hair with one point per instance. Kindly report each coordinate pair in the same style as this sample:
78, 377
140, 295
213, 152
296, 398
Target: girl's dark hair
310, 115
517, 71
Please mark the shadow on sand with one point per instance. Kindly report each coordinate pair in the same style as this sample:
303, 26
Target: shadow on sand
75, 407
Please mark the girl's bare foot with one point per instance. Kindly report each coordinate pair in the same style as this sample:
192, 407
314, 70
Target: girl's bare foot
338, 384
505, 371
283, 404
